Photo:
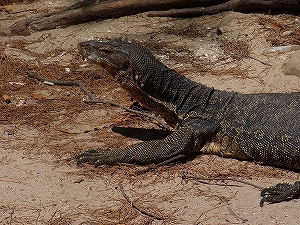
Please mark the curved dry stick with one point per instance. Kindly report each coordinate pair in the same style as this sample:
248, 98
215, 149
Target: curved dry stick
138, 207
220, 178
166, 162
165, 126
249, 57
93, 99
78, 83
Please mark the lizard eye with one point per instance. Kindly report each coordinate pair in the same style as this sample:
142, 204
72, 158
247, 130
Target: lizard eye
106, 51
125, 65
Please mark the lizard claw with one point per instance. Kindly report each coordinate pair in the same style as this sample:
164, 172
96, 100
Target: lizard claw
280, 192
96, 157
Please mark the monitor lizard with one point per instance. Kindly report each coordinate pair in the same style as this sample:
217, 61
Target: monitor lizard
260, 127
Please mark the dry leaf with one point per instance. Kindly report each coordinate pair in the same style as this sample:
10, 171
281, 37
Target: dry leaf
38, 96
6, 98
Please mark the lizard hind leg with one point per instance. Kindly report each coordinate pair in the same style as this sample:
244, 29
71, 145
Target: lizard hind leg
280, 192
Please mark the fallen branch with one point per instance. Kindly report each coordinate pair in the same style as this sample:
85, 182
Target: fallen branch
232, 5
91, 10
138, 207
92, 97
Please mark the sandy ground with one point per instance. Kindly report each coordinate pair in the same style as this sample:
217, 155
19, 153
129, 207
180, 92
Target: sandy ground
44, 127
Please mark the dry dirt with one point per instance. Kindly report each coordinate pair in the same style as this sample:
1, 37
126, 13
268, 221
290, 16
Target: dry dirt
44, 127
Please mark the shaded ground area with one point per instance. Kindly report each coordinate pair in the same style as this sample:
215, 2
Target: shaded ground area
44, 127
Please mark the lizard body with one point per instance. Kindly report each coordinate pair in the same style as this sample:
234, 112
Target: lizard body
261, 127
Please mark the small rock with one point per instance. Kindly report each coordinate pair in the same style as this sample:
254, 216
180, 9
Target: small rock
286, 48
287, 33
21, 102
292, 66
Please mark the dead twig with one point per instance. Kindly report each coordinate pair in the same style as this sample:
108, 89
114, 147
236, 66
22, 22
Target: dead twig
165, 126
166, 162
93, 99
136, 206
249, 57
232, 212
78, 83
184, 176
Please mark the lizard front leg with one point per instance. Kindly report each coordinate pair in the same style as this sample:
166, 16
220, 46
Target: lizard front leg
181, 141
147, 152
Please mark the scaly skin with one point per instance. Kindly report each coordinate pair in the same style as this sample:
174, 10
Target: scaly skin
259, 127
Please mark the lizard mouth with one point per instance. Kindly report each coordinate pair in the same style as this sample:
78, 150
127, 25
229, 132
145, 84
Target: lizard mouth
93, 53
112, 59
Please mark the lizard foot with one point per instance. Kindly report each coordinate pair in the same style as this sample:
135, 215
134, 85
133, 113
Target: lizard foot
96, 157
280, 192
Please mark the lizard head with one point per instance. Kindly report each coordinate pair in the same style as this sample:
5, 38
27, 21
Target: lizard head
105, 54
138, 72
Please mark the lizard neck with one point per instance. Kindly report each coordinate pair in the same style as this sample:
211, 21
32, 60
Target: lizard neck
172, 89
162, 89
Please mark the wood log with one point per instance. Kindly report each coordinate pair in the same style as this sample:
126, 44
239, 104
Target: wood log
232, 5
89, 10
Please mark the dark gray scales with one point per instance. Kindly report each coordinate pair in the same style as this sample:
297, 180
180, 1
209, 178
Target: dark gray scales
258, 127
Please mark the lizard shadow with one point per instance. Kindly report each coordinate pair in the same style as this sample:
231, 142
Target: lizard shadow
142, 134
